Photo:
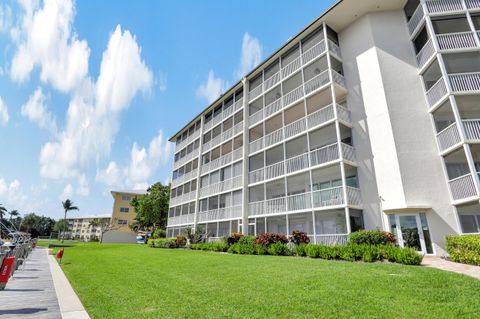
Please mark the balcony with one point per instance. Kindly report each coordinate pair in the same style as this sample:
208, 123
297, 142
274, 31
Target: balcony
465, 82
436, 92
457, 40
416, 19
448, 137
186, 158
187, 197
222, 137
325, 198
222, 161
187, 141
184, 178
331, 240
425, 53
444, 6
220, 214
320, 156
462, 187
179, 220
222, 186
320, 117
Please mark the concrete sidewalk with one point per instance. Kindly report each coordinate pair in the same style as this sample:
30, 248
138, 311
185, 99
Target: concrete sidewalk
440, 263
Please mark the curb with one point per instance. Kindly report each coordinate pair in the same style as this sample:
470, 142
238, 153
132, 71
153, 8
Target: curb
70, 305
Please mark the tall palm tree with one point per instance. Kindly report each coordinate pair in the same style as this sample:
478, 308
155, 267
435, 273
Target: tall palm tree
13, 213
3, 210
67, 206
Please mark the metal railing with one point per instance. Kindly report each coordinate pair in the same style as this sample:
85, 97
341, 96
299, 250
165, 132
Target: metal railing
321, 116
272, 81
316, 82
220, 213
334, 48
444, 6
313, 52
472, 4
462, 187
448, 137
457, 40
436, 92
465, 82
188, 140
184, 178
222, 186
331, 240
222, 160
186, 158
416, 18
238, 104
187, 197
291, 67
293, 96
182, 219
296, 127
472, 129
425, 53
255, 92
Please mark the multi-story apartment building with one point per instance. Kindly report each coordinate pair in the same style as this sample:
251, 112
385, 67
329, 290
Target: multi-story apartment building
368, 118
87, 227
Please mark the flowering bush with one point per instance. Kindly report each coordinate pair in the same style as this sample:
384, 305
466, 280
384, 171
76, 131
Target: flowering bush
372, 237
266, 239
234, 238
299, 237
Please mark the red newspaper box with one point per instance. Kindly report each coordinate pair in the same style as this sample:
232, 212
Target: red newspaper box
60, 255
6, 270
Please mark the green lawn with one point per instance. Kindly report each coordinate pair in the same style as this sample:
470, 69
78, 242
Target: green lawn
135, 281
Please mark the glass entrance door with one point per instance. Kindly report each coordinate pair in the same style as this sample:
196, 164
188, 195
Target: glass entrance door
411, 231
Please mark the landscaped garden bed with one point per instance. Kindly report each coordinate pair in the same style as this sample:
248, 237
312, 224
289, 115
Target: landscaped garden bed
464, 249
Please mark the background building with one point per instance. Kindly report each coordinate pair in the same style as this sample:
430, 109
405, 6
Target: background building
87, 227
123, 214
368, 118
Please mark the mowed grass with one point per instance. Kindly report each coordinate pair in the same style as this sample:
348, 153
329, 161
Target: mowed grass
135, 281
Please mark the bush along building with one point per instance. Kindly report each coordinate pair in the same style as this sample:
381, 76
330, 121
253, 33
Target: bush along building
368, 118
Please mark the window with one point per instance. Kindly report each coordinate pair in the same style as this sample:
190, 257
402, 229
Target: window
125, 197
120, 222
470, 223
124, 209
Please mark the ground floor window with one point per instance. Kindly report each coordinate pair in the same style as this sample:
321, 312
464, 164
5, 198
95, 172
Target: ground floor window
330, 222
469, 217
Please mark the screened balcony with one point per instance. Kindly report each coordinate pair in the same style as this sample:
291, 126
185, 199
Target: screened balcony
435, 85
221, 207
461, 179
222, 180
424, 48
454, 32
415, 15
183, 214
225, 154
446, 127
463, 71
469, 216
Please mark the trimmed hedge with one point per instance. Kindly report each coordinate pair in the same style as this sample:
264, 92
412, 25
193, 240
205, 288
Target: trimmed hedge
219, 247
162, 243
464, 249
372, 237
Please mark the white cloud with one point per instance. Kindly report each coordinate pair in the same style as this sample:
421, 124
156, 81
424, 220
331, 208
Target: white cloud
5, 17
12, 195
67, 192
142, 166
83, 188
45, 39
212, 89
36, 111
162, 82
93, 117
251, 55
3, 113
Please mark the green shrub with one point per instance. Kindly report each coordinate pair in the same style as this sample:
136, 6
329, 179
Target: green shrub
159, 233
371, 237
261, 250
165, 243
301, 250
279, 249
233, 238
246, 240
408, 256
151, 243
313, 251
217, 246
464, 249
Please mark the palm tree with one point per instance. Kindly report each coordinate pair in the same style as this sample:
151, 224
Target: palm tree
67, 206
13, 213
3, 210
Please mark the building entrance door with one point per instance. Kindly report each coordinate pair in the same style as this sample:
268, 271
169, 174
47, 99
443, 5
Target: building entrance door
411, 230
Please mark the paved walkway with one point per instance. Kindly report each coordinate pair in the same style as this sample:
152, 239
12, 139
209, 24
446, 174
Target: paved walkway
30, 293
440, 263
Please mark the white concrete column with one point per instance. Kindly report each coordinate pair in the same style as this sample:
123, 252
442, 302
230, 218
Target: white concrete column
245, 158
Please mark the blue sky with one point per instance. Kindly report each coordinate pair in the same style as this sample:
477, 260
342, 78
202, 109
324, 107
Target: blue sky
91, 90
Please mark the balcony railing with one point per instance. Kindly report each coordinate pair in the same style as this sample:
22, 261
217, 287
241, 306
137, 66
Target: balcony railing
472, 129
321, 116
318, 156
465, 82
255, 92
179, 220
272, 81
331, 240
425, 53
238, 104
291, 67
462, 187
444, 6
436, 92
416, 18
317, 199
188, 140
184, 178
186, 158
334, 48
273, 137
223, 186
296, 127
220, 214
316, 82
222, 160
187, 197
457, 40
472, 4
448, 137
313, 52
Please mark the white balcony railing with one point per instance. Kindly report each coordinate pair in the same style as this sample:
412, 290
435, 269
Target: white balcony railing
348, 152
416, 18
255, 117
343, 114
273, 137
184, 178
186, 158
296, 127
293, 96
436, 92
465, 82
457, 40
448, 137
317, 199
256, 176
324, 154
255, 145
238, 104
179, 220
331, 240
291, 67
321, 116
316, 82
472, 129
273, 107
184, 198
255, 92
296, 163
425, 53
334, 48
472, 4
313, 52
220, 213
272, 81
188, 140
274, 170
222, 186
462, 187
222, 161
444, 6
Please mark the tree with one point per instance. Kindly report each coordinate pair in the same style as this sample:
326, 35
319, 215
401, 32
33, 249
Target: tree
152, 208
67, 206
13, 213
35, 224
59, 225
3, 210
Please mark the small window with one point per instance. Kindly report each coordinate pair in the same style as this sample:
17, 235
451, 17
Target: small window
126, 198
121, 222
124, 209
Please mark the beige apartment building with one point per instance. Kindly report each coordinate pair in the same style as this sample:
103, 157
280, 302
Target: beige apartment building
87, 227
367, 118
123, 215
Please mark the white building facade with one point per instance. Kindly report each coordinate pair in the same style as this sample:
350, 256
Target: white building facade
368, 118
87, 227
